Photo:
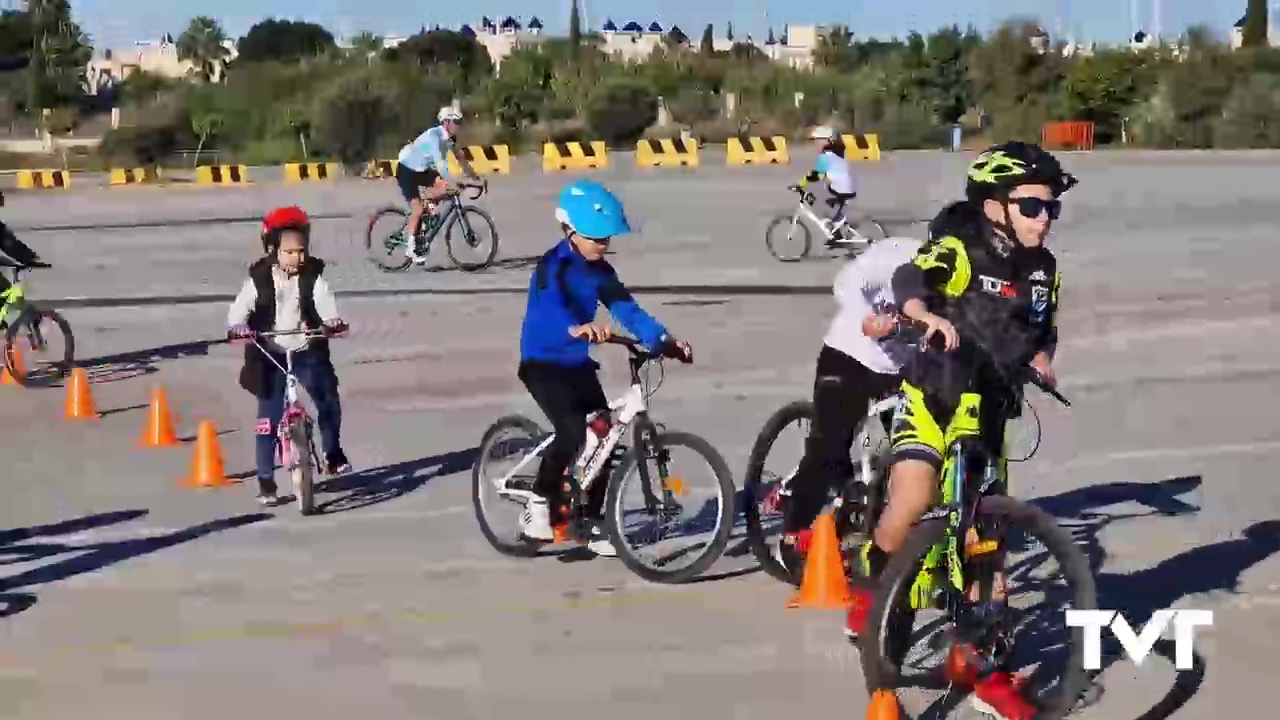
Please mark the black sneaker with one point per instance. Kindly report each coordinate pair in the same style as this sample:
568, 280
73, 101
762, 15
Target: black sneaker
337, 464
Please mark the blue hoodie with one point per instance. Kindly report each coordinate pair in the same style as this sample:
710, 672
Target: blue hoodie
564, 292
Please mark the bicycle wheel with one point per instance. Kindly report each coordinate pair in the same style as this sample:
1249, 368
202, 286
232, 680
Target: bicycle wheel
763, 496
472, 223
669, 489
871, 229
884, 646
33, 328
515, 437
385, 248
787, 228
299, 460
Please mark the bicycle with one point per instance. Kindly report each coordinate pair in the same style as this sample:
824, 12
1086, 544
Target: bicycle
296, 430
606, 456
457, 215
844, 235
931, 572
29, 324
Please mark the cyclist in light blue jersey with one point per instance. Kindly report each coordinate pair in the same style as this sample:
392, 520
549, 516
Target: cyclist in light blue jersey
424, 163
833, 166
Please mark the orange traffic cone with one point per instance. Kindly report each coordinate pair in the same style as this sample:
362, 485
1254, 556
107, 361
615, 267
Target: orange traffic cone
6, 378
884, 706
159, 429
206, 466
79, 399
824, 585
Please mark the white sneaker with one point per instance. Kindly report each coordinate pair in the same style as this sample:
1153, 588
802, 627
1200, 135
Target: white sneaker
600, 543
535, 522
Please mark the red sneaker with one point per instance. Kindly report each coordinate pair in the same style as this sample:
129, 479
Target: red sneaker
859, 609
1000, 694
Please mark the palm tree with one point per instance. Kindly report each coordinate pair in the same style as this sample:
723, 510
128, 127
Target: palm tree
366, 45
202, 43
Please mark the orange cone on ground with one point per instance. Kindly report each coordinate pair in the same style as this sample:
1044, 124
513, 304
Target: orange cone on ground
206, 467
159, 430
884, 706
6, 378
824, 585
79, 399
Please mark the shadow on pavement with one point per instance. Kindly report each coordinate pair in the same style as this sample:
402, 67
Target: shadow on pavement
1139, 594
136, 363
370, 487
86, 557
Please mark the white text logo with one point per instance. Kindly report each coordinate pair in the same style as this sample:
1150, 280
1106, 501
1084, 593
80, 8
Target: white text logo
1138, 645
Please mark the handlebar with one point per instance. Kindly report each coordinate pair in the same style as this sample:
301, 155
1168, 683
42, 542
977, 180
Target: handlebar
479, 189
1024, 374
640, 352
807, 197
24, 266
310, 333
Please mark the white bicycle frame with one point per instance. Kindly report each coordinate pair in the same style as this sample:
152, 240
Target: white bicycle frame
591, 461
872, 434
832, 234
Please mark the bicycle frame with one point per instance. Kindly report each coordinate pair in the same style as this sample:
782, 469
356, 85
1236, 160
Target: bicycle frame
878, 408
293, 407
14, 297
831, 234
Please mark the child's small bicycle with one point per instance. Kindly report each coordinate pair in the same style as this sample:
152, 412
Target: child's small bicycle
21, 320
787, 227
296, 430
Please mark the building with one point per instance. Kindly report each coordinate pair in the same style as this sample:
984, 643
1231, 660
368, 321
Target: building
159, 57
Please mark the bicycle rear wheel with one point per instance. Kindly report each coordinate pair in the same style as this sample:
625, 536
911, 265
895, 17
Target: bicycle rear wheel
763, 498
384, 247
784, 231
34, 331
301, 465
509, 439
472, 226
667, 490
888, 638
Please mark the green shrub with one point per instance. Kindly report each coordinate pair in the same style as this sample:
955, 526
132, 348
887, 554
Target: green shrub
619, 111
1249, 117
351, 118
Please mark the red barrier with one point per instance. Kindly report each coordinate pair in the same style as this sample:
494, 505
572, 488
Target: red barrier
1073, 135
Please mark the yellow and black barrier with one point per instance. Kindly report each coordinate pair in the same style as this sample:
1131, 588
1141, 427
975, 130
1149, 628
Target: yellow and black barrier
43, 179
134, 176
757, 151
312, 171
221, 175
864, 148
484, 159
667, 152
574, 155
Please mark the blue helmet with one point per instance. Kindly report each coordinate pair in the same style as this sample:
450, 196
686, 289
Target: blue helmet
592, 211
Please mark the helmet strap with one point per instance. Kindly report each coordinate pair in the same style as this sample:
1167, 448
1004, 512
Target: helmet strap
1004, 237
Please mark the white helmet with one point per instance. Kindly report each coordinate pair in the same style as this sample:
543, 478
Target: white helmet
449, 112
822, 132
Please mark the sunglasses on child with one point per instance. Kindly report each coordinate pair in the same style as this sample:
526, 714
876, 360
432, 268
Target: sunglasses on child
1032, 207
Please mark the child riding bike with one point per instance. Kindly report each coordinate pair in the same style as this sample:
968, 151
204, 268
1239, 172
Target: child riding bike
568, 283
286, 291
424, 163
832, 165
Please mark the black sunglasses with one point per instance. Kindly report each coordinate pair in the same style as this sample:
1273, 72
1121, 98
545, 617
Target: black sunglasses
1031, 207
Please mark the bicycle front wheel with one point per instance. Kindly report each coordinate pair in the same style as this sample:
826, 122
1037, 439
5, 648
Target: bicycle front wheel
301, 466
383, 239
472, 235
764, 489
506, 444
788, 238
39, 347
666, 496
888, 640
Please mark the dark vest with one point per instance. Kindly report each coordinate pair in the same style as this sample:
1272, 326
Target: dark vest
255, 375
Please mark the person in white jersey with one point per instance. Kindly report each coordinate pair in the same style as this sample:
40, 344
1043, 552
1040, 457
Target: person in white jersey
424, 163
860, 360
834, 168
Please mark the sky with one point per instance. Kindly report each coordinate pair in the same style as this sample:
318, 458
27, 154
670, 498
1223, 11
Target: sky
118, 23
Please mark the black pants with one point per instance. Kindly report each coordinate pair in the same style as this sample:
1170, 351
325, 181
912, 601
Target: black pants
566, 395
843, 391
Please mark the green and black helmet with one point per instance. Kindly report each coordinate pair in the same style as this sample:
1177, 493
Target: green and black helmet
1001, 168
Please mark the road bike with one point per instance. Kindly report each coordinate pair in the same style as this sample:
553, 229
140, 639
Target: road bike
296, 430
854, 500
953, 561
463, 226
607, 458
789, 227
29, 324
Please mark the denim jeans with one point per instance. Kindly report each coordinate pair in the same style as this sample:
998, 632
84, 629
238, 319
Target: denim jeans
315, 373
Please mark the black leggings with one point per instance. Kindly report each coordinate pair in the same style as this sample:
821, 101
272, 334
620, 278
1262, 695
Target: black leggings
566, 395
843, 391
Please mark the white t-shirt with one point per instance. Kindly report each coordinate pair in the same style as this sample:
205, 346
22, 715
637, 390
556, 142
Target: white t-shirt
863, 287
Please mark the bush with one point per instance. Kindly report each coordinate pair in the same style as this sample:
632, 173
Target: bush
1249, 116
139, 145
351, 118
619, 111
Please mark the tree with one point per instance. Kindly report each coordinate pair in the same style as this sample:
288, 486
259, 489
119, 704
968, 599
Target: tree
708, 44
284, 41
202, 45
204, 123
728, 35
60, 51
366, 45
946, 60
445, 48
575, 28
1254, 32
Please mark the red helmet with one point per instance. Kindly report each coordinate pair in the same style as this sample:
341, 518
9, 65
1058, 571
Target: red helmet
281, 219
